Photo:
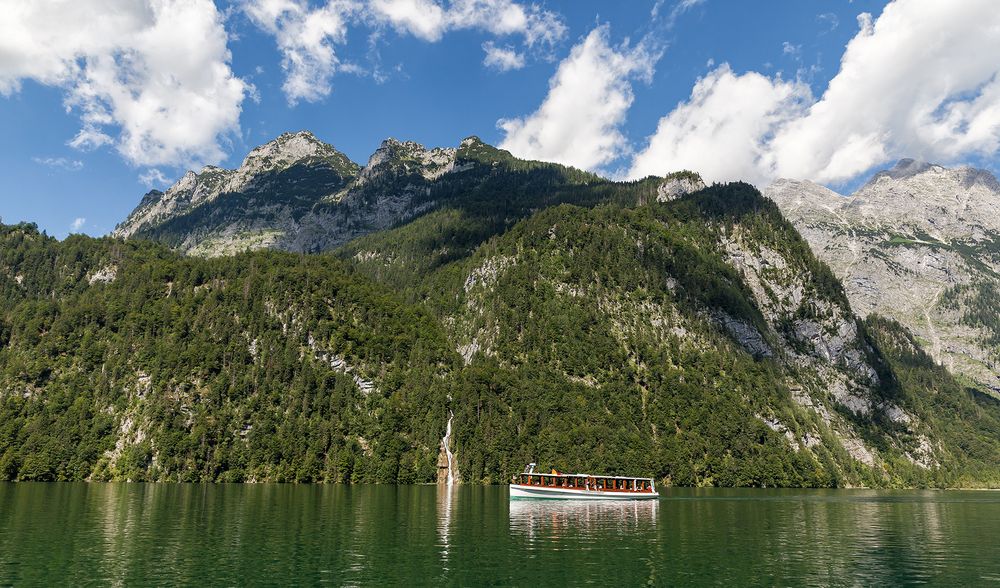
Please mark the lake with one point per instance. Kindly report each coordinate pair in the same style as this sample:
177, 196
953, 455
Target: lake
129, 534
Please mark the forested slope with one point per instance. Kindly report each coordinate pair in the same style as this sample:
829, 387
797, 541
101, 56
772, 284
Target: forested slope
581, 324
126, 361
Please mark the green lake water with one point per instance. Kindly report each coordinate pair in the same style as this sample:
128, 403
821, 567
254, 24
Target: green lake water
162, 534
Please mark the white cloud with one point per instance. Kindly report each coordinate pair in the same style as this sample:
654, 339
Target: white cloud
790, 49
505, 17
722, 131
429, 20
151, 77
153, 177
77, 224
423, 19
308, 36
502, 58
59, 163
579, 121
679, 8
865, 23
921, 81
306, 39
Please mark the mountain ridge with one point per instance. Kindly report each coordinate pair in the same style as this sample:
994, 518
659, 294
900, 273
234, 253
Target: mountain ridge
297, 193
697, 339
657, 325
919, 243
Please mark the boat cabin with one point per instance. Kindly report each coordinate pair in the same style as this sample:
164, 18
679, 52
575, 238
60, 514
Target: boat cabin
585, 482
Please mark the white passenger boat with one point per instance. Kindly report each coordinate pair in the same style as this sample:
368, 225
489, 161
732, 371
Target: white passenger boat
532, 484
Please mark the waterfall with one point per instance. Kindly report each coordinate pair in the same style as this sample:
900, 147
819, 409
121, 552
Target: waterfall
446, 441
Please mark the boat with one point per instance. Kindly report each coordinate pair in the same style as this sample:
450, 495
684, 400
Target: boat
532, 484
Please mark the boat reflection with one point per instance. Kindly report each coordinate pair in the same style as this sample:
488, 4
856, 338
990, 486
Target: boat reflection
555, 518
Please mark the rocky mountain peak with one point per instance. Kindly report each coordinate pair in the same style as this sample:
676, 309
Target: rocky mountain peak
260, 169
946, 203
408, 157
915, 243
906, 168
287, 149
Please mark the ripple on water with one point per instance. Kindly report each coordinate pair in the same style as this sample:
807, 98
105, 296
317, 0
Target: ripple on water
385, 535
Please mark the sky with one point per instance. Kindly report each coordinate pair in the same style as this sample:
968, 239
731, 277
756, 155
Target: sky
102, 100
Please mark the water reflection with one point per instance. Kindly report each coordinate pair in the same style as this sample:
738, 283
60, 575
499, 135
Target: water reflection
445, 503
581, 518
132, 534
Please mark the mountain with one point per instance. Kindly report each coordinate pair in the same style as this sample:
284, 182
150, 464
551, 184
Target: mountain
257, 205
546, 314
919, 243
299, 194
706, 317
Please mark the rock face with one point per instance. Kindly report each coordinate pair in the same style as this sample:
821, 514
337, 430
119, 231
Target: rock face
266, 169
295, 193
795, 314
919, 243
678, 184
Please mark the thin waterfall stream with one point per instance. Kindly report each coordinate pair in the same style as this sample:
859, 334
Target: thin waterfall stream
446, 441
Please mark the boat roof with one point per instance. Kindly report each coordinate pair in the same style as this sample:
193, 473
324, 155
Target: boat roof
560, 475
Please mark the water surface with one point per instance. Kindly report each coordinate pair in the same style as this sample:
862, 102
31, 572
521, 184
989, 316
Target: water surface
169, 534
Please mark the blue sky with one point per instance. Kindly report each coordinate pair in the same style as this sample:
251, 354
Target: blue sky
728, 86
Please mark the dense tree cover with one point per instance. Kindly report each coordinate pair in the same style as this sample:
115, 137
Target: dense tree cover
209, 369
965, 420
597, 349
563, 319
979, 303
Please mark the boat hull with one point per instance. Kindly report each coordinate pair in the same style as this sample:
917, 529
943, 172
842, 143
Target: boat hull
518, 491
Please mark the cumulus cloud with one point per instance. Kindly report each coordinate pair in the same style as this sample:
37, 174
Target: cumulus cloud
723, 130
308, 36
502, 58
921, 81
580, 119
150, 77
59, 163
429, 20
77, 224
423, 19
505, 17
